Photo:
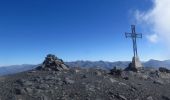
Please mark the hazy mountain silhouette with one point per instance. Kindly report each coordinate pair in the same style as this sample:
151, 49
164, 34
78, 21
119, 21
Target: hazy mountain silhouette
86, 64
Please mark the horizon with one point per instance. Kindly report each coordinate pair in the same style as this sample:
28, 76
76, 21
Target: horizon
83, 61
74, 30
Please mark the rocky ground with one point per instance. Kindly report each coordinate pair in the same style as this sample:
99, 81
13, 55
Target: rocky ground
85, 84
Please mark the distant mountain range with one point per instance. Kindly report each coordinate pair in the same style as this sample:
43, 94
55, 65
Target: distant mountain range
4, 70
85, 64
98, 64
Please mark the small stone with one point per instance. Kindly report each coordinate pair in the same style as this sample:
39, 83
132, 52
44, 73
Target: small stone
43, 86
44, 98
121, 97
165, 97
84, 76
160, 82
113, 80
77, 71
27, 83
149, 98
19, 91
121, 83
20, 81
98, 73
69, 81
126, 78
29, 90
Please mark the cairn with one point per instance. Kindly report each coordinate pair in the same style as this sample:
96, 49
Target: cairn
52, 63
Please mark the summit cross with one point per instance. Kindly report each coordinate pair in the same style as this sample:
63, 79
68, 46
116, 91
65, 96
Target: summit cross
134, 36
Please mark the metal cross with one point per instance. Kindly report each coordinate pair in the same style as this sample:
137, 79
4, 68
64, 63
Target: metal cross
134, 35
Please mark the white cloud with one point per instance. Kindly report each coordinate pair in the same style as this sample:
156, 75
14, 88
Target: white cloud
153, 38
157, 20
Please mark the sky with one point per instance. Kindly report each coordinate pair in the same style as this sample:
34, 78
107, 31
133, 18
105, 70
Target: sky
82, 30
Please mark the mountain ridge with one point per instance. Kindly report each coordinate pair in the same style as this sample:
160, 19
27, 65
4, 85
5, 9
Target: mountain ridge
5, 70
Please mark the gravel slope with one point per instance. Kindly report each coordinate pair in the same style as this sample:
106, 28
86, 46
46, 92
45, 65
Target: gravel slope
85, 84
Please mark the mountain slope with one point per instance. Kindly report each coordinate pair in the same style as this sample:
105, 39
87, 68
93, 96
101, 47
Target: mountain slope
85, 84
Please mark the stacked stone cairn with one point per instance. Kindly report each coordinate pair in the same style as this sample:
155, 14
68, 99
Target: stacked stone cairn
52, 63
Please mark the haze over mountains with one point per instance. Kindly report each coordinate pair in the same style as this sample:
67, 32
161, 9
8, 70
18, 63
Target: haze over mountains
4, 70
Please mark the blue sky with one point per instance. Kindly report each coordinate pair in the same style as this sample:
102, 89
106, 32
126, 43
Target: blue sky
71, 29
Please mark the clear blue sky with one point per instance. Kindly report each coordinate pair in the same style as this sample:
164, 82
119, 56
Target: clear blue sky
71, 29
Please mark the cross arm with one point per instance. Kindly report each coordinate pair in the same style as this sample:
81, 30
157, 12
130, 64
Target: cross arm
139, 35
128, 35
132, 35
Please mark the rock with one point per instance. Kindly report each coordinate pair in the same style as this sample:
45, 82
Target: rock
144, 77
158, 81
84, 76
135, 65
69, 81
90, 88
120, 97
27, 83
98, 73
116, 71
43, 86
29, 90
124, 84
33, 71
19, 91
43, 97
126, 78
149, 98
130, 68
63, 66
163, 69
165, 98
77, 71
20, 81
113, 80
52, 63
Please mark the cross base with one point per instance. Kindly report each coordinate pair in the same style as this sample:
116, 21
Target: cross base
136, 65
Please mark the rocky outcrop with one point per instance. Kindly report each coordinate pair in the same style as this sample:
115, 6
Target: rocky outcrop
162, 69
116, 71
52, 63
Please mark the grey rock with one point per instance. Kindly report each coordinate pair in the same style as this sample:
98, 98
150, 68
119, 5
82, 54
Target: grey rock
158, 81
116, 71
27, 83
149, 98
43, 86
165, 97
29, 90
69, 81
98, 73
120, 97
19, 91
113, 80
163, 69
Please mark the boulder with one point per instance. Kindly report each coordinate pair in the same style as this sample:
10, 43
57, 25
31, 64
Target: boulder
116, 71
